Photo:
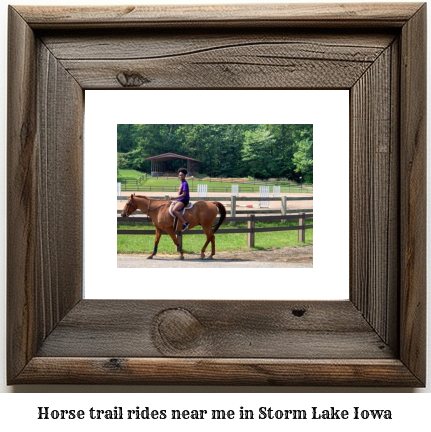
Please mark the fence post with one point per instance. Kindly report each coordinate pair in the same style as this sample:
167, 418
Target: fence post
283, 206
234, 189
167, 197
250, 235
301, 230
233, 208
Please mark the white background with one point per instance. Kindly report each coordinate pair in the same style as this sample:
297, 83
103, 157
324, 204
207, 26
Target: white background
328, 111
20, 410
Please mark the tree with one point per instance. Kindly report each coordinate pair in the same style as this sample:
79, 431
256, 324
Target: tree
257, 152
225, 150
303, 160
125, 138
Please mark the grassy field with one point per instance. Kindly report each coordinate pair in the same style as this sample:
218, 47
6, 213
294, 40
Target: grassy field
224, 242
128, 178
128, 175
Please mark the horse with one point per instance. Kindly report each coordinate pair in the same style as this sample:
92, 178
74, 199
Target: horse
202, 213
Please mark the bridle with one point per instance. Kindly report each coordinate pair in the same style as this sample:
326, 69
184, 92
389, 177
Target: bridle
130, 202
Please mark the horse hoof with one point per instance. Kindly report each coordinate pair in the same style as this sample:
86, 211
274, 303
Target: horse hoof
210, 257
150, 257
202, 256
181, 257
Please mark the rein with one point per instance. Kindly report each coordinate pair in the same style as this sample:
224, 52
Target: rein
148, 208
155, 208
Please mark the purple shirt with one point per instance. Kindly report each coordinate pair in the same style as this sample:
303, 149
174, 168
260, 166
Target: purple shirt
184, 188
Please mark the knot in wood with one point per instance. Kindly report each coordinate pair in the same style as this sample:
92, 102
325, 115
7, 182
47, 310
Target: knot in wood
115, 363
178, 329
298, 312
131, 79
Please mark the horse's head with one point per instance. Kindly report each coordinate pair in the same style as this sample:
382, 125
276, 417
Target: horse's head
130, 207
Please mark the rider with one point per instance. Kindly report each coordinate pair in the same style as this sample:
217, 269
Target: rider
183, 198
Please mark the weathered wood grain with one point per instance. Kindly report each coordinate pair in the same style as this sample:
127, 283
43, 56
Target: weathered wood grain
374, 194
235, 329
210, 60
140, 45
413, 194
267, 15
217, 371
54, 336
22, 200
243, 67
59, 188
45, 106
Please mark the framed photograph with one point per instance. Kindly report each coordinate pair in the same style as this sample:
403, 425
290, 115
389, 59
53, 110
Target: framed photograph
375, 337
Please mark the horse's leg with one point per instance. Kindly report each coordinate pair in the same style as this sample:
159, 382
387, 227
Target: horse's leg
210, 235
171, 232
212, 246
156, 242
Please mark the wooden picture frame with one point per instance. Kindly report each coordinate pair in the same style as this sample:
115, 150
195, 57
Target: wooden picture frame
376, 338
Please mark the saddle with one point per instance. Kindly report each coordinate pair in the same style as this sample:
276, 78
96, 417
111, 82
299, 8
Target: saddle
187, 207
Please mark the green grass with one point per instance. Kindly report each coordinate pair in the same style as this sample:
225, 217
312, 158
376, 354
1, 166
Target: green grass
128, 175
224, 242
171, 184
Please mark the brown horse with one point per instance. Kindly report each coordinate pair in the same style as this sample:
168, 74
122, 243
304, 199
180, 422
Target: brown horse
202, 213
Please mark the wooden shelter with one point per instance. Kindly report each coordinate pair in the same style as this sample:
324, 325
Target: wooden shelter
159, 164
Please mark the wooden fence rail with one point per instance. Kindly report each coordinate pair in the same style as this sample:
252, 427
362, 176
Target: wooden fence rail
233, 204
251, 229
228, 198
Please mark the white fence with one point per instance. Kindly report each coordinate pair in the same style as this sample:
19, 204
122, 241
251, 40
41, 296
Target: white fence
202, 190
264, 193
118, 188
276, 191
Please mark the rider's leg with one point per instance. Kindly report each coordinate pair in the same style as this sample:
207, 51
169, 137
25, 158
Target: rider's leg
177, 211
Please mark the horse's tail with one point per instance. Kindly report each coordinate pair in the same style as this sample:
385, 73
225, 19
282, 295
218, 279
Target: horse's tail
222, 210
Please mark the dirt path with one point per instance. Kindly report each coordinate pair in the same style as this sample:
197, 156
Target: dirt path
293, 257
300, 254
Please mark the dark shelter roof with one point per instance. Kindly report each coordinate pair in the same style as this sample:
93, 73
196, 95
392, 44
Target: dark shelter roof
170, 156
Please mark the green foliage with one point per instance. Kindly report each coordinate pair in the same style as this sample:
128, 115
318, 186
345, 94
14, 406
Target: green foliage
303, 160
122, 161
258, 152
225, 150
